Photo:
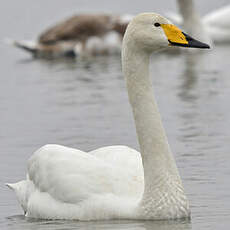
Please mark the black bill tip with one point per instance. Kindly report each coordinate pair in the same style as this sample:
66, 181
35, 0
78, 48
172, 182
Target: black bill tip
195, 43
192, 43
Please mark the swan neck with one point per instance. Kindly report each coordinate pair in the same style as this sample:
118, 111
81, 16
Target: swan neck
163, 190
159, 165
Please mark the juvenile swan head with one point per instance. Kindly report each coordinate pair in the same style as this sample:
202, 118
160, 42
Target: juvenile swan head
150, 31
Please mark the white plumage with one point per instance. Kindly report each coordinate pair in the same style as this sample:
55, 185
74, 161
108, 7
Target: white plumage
218, 24
65, 183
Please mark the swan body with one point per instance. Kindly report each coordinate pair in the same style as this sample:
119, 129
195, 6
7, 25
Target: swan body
65, 183
218, 24
83, 34
115, 182
213, 27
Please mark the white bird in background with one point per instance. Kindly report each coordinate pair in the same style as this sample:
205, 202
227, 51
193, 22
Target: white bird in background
214, 26
83, 34
115, 182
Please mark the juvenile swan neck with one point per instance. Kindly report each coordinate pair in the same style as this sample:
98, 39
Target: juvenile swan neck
162, 180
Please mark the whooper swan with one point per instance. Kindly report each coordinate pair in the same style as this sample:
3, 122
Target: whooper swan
111, 183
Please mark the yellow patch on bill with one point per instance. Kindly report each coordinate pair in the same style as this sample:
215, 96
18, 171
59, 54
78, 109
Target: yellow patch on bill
174, 34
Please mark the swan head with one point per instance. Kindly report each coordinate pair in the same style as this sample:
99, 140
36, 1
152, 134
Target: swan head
151, 31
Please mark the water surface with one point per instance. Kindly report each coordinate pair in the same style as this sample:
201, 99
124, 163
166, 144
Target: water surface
83, 104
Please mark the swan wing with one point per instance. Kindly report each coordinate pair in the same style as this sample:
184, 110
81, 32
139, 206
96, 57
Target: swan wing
78, 27
124, 157
119, 155
72, 176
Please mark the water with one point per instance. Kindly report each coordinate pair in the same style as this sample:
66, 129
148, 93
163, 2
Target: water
83, 104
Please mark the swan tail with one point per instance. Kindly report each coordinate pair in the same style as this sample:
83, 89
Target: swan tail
20, 189
11, 186
28, 46
43, 51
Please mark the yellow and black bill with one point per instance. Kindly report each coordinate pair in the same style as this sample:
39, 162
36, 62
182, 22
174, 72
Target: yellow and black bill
178, 38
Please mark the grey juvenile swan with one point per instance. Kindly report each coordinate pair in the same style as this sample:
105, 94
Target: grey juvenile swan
79, 35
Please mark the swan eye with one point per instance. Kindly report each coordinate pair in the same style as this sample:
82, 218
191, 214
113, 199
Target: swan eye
157, 24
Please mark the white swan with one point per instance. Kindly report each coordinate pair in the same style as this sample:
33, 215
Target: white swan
214, 26
82, 34
111, 183
218, 24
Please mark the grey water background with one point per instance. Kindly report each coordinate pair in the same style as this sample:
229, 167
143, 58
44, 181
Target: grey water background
83, 104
